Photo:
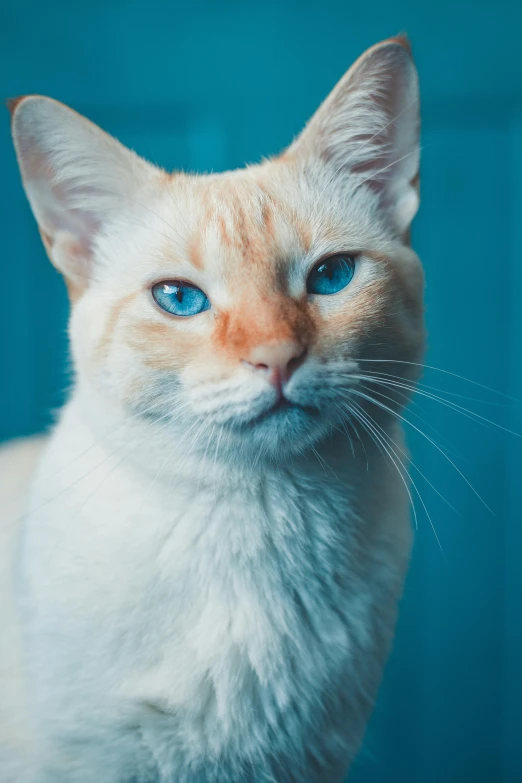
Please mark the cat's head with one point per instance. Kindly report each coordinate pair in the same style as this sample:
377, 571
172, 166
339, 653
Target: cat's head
241, 304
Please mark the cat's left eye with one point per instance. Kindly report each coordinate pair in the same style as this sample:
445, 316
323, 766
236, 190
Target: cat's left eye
331, 274
180, 298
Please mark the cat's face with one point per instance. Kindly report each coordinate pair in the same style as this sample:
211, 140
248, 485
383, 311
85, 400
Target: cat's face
239, 306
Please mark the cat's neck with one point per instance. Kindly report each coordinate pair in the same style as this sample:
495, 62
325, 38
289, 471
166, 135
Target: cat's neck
109, 473
165, 450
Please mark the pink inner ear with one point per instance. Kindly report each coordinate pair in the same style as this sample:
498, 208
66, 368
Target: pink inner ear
53, 195
72, 257
68, 232
55, 213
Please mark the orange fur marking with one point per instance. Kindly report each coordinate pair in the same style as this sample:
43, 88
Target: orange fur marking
222, 226
164, 349
195, 255
403, 40
74, 288
278, 319
74, 291
12, 103
101, 348
302, 228
305, 234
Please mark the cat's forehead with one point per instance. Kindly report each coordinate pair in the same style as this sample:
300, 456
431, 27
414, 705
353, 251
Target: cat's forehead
254, 224
241, 217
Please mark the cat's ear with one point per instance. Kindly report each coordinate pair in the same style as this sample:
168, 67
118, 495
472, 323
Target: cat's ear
77, 178
369, 127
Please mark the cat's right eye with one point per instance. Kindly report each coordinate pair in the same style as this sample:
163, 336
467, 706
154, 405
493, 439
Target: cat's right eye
180, 298
331, 275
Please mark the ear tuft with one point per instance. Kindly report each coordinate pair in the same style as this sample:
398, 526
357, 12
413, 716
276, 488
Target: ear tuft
12, 103
403, 40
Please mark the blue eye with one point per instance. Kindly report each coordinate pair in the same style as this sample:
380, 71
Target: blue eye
180, 298
331, 274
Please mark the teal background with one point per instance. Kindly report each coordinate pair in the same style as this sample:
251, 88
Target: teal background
210, 85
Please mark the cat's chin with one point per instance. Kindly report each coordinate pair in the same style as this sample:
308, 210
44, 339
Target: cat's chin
284, 428
283, 411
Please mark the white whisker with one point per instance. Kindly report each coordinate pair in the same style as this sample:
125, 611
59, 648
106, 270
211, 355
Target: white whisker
446, 372
430, 440
362, 417
473, 415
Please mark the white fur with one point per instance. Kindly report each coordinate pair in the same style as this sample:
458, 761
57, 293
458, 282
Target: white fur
206, 616
196, 602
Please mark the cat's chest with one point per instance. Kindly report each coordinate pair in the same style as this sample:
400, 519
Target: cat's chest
195, 610
245, 613
189, 602
222, 591
249, 573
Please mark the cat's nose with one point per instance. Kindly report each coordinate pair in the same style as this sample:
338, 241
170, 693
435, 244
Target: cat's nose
277, 360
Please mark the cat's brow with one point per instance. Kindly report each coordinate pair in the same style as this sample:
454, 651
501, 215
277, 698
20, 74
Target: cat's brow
195, 254
223, 231
282, 208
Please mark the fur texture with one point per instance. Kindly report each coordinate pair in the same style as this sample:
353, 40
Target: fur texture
206, 581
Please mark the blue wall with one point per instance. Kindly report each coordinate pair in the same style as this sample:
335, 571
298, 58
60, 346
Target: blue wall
206, 85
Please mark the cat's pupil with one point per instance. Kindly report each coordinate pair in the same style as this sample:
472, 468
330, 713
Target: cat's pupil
326, 270
179, 294
331, 275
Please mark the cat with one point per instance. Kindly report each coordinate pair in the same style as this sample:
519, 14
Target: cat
202, 562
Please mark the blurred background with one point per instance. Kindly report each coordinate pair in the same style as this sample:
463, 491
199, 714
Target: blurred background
210, 85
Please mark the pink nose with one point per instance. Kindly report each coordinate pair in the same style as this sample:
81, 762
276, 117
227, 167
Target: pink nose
277, 360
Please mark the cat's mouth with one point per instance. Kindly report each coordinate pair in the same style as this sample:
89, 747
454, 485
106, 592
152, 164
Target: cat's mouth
281, 408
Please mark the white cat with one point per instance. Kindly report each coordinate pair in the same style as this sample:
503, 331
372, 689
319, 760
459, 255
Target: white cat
201, 584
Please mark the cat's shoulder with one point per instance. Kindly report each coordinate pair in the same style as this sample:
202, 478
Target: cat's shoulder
18, 461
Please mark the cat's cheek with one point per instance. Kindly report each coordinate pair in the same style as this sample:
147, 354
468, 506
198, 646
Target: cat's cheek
87, 325
161, 346
342, 329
